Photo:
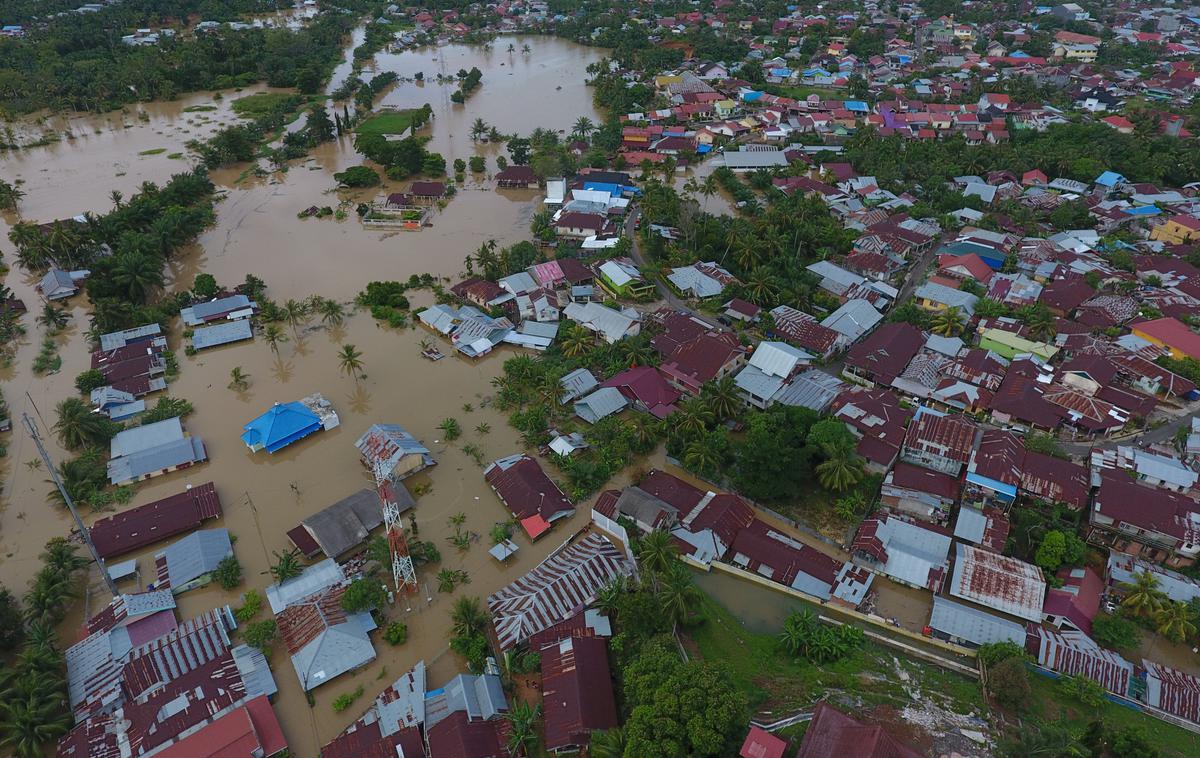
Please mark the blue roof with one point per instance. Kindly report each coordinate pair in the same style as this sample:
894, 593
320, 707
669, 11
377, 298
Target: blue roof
904, 58
751, 96
616, 190
279, 427
1109, 179
1143, 210
1018, 54
1007, 491
856, 105
702, 149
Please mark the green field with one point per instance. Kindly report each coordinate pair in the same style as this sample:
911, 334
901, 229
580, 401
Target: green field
262, 103
396, 122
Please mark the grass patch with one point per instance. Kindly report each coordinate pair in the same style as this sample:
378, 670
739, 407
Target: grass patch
261, 103
397, 122
154, 151
199, 108
773, 679
176, 156
1047, 704
802, 91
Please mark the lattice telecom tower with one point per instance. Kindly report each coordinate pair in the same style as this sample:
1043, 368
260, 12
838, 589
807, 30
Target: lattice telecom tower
403, 570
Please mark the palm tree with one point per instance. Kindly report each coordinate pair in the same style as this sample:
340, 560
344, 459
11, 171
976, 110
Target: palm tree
722, 397
238, 379
656, 551
692, 418
332, 312
583, 128
947, 322
643, 432
137, 274
274, 335
522, 722
701, 457
1143, 596
287, 565
577, 342
294, 313
117, 198
636, 351
761, 286
678, 594
1175, 621
1039, 321
53, 317
29, 723
609, 743
608, 597
479, 130
78, 426
840, 472
9, 196
350, 361
468, 617
451, 429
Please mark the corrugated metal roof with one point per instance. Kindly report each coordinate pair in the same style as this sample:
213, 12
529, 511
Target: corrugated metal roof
1078, 655
192, 557
973, 625
778, 358
599, 404
998, 582
221, 334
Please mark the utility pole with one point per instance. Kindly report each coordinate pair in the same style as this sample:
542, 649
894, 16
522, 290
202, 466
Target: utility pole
31, 427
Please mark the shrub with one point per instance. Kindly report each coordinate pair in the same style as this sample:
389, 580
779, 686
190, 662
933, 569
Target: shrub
478, 164
261, 634
228, 572
396, 633
251, 604
1008, 683
363, 595
357, 176
1083, 689
205, 286
90, 380
1115, 632
342, 702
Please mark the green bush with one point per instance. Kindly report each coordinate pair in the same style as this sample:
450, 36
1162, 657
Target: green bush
90, 380
228, 572
342, 702
396, 633
261, 634
363, 595
251, 605
357, 176
205, 286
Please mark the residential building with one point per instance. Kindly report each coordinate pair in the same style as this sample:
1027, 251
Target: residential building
1171, 334
700, 280
619, 277
1076, 601
804, 331
765, 551
1075, 654
966, 625
286, 423
833, 734
770, 367
706, 358
388, 451
599, 404
347, 524
577, 692
647, 390
998, 582
910, 552
230, 308
612, 325
878, 420
323, 639
884, 354
925, 493
532, 497
152, 449
1153, 524
188, 563
942, 442
144, 525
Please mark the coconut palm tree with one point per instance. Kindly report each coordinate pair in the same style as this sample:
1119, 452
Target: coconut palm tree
583, 128
53, 318
692, 418
761, 287
677, 595
722, 397
287, 565
656, 551
609, 743
1143, 596
701, 457
294, 313
332, 312
78, 426
238, 379
468, 617
947, 322
1175, 621
137, 274
117, 198
479, 130
1038, 320
522, 724
840, 472
273, 335
643, 431
577, 342
9, 196
608, 597
31, 722
350, 361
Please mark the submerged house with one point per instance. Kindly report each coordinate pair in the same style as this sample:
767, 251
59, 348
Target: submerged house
532, 497
189, 563
388, 451
286, 423
323, 639
152, 449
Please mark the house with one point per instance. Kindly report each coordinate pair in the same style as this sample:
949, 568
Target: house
345, 525
252, 727
286, 423
770, 367
612, 325
995, 468
231, 308
1009, 344
1075, 654
462, 718
577, 692
152, 449
998, 582
188, 563
706, 358
760, 743
969, 626
60, 285
115, 404
1177, 230
740, 310
910, 552
1172, 334
559, 587
390, 452
878, 420
927, 494
225, 333
427, 192
1172, 691
833, 734
579, 225
577, 383
599, 404
938, 297
645, 510
700, 280
619, 277
323, 639
391, 724
144, 525
1153, 524
516, 177
804, 331
853, 320
884, 354
986, 527
531, 496
1075, 603
1055, 480
941, 442
647, 389
1123, 570
765, 551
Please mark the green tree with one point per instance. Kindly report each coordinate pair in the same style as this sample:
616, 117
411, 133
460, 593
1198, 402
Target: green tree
657, 552
273, 335
350, 361
260, 634
947, 322
1008, 683
1115, 632
239, 380
840, 472
358, 176
77, 426
332, 312
1143, 597
228, 572
1175, 621
363, 595
287, 565
451, 429
1039, 321
722, 397
468, 617
205, 286
518, 150
522, 721
89, 380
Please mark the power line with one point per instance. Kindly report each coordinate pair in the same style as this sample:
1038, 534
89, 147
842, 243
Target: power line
32, 428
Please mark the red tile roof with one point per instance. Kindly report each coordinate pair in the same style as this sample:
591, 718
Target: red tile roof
671, 490
577, 691
833, 734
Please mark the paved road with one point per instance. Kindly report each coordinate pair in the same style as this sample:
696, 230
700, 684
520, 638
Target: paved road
664, 292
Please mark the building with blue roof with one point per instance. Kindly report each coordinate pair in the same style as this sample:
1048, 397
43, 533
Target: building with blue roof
751, 95
1142, 210
858, 106
279, 427
1110, 179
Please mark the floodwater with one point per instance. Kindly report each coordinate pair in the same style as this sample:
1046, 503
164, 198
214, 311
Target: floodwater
257, 232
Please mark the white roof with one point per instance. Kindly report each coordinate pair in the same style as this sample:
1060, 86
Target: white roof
617, 273
778, 358
940, 293
972, 624
912, 550
312, 580
693, 280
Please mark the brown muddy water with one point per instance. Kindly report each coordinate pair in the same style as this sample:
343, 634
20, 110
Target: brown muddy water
257, 232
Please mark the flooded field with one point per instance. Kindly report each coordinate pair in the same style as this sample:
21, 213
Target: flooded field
257, 232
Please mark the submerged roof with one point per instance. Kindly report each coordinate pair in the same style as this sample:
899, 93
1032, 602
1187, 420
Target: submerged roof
280, 426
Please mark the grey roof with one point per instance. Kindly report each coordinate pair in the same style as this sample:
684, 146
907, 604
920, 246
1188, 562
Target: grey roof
778, 358
58, 284
149, 461
201, 312
608, 322
195, 555
813, 389
836, 274
114, 340
222, 334
643, 507
314, 579
971, 524
972, 624
603, 402
146, 437
481, 696
940, 293
347, 523
545, 329
747, 159
854, 319
385, 446
335, 650
754, 381
256, 674
518, 283
104, 397
693, 280
577, 383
